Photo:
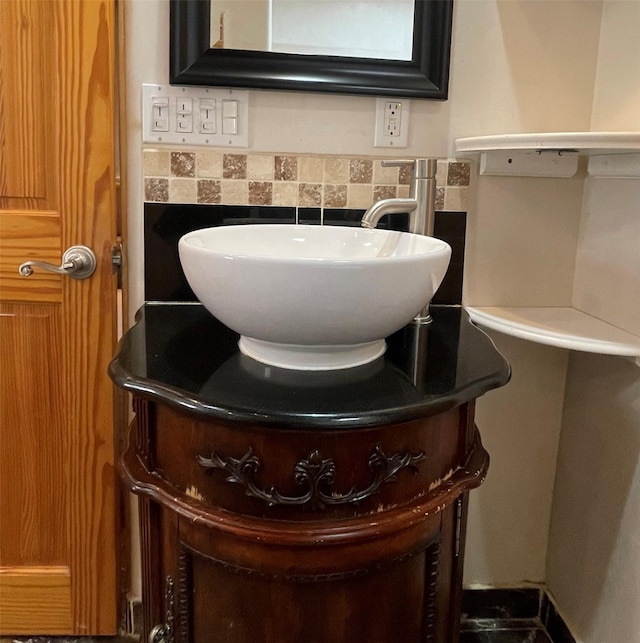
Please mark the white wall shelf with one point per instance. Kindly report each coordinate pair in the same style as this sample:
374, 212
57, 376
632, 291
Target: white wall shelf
555, 154
564, 327
611, 155
583, 143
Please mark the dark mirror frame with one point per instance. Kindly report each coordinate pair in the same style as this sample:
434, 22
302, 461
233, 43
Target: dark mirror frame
194, 62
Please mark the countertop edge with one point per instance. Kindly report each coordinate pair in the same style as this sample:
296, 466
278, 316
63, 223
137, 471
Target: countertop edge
181, 401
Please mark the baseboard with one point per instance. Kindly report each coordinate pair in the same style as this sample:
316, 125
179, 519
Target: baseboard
512, 614
554, 623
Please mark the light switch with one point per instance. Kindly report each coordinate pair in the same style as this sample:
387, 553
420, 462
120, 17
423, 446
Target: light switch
159, 114
184, 114
229, 125
229, 109
230, 117
207, 108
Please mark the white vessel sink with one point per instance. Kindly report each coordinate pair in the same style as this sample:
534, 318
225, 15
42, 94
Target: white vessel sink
312, 297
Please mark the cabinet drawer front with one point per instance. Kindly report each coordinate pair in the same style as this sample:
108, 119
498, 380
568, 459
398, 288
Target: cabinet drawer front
302, 475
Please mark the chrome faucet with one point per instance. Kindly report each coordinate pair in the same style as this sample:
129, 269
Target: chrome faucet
420, 205
421, 201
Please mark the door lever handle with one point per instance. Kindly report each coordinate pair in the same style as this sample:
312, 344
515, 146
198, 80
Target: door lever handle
79, 262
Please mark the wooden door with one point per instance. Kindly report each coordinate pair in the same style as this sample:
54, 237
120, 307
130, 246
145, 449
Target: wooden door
57, 334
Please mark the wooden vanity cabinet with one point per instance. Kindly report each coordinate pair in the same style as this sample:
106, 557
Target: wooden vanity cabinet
273, 534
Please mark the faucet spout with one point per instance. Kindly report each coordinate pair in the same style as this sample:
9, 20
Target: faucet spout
372, 216
421, 201
420, 205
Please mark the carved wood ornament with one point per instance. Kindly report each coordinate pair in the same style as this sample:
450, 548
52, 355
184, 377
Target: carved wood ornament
314, 474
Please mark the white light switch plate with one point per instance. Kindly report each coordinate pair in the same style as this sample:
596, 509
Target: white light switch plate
392, 122
191, 123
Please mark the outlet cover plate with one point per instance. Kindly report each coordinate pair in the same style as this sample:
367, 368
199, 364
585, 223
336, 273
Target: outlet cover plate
392, 122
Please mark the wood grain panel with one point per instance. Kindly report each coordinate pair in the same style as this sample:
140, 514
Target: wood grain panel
37, 596
27, 236
25, 139
32, 489
85, 69
57, 189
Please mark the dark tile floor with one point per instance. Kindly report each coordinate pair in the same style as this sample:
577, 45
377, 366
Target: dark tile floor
58, 639
496, 632
503, 631
490, 616
511, 615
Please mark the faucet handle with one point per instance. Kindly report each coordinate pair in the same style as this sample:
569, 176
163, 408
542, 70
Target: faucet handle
422, 168
398, 162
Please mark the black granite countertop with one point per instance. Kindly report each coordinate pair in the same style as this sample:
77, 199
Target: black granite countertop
179, 354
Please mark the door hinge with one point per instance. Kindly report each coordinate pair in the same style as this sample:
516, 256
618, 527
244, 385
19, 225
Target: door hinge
116, 261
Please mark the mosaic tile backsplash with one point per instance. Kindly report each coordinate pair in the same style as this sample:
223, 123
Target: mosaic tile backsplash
186, 190
217, 177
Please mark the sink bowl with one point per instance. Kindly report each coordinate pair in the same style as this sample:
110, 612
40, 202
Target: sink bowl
312, 297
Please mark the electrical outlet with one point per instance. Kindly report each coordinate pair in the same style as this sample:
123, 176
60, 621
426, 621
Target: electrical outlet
392, 122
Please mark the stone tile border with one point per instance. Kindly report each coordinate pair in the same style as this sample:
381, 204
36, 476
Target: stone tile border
213, 176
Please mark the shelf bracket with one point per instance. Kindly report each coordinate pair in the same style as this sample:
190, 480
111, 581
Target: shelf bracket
615, 166
533, 163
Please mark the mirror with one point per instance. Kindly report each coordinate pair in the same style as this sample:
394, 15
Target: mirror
211, 45
380, 29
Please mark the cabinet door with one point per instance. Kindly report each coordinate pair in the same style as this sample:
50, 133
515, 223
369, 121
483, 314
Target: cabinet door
224, 603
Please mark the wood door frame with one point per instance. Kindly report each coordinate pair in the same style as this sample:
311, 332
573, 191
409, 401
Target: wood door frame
122, 400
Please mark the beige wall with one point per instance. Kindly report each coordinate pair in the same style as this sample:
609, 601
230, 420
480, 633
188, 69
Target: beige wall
594, 547
520, 425
521, 251
517, 65
617, 89
523, 66
607, 275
